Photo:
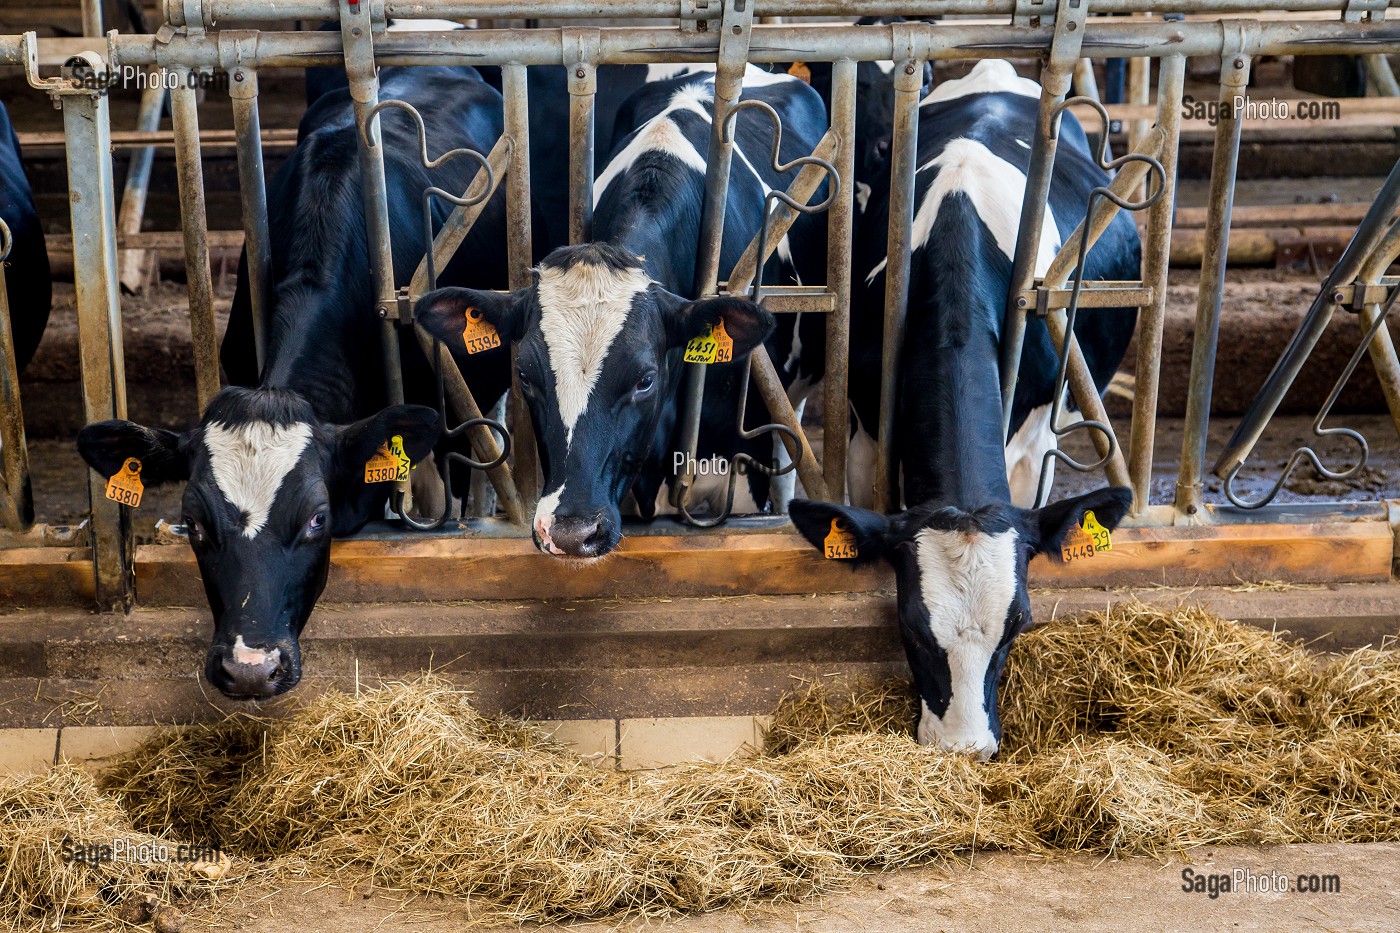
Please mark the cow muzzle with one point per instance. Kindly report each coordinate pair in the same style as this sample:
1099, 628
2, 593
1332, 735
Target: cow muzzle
569, 536
253, 672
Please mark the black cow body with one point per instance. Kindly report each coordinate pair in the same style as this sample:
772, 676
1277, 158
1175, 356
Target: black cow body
960, 551
602, 330
27, 282
275, 471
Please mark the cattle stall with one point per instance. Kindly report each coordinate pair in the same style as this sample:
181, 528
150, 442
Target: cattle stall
1178, 540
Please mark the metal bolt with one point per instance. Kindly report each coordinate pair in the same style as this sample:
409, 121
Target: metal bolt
1190, 510
1022, 303
238, 76
355, 32
909, 68
579, 73
1337, 298
1239, 63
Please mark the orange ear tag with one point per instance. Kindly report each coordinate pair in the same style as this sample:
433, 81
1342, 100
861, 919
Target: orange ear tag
480, 334
1078, 545
801, 72
840, 542
390, 464
713, 346
1101, 536
125, 485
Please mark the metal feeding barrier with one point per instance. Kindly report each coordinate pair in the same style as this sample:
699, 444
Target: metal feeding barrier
242, 38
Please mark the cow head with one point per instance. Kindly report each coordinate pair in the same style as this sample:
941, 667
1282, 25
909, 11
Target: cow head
267, 487
599, 358
962, 598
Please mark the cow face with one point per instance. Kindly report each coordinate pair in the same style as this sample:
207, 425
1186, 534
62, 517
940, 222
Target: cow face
267, 487
599, 358
961, 582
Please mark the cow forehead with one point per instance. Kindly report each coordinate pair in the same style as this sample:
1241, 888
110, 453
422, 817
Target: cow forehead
583, 308
250, 461
967, 582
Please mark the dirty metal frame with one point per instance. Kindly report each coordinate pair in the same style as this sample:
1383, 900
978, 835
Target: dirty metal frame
1060, 30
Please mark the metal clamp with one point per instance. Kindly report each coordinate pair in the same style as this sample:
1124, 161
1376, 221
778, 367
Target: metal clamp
73, 78
1065, 45
580, 55
700, 16
1364, 11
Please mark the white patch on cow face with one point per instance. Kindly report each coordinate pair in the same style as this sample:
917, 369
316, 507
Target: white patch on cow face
1025, 452
544, 519
582, 310
989, 76
249, 462
967, 583
257, 657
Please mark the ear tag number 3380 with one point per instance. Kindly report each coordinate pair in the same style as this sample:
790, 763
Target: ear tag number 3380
389, 464
713, 346
125, 485
480, 334
840, 542
1086, 541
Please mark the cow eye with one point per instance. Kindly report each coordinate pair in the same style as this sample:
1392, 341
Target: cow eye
316, 524
193, 530
524, 379
644, 385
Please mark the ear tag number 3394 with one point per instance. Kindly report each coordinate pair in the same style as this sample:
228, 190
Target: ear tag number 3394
389, 464
840, 542
479, 335
713, 346
1086, 541
125, 485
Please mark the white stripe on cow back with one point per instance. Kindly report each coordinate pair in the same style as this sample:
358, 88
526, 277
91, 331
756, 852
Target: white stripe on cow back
967, 583
582, 310
994, 186
991, 75
249, 462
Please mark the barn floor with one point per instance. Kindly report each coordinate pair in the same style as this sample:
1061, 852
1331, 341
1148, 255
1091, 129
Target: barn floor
1000, 892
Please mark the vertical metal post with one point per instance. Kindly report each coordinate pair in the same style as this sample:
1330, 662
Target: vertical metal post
92, 17
519, 243
356, 32
904, 149
1234, 75
1139, 92
1382, 347
736, 31
17, 501
583, 87
837, 413
134, 262
1156, 257
252, 190
1055, 80
92, 201
189, 173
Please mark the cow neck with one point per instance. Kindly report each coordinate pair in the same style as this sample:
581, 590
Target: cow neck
317, 349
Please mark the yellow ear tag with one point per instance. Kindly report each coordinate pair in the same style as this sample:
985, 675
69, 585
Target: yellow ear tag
1101, 536
125, 485
840, 542
800, 71
1078, 545
713, 346
480, 334
389, 464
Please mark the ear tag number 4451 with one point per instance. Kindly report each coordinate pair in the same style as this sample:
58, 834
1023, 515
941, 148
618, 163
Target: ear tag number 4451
1086, 541
480, 334
125, 485
713, 346
389, 464
840, 542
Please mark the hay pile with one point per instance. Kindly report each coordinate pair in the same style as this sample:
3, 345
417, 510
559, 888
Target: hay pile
43, 885
1132, 731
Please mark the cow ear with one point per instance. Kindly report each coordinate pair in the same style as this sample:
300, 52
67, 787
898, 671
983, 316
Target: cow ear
746, 323
444, 313
814, 520
1048, 526
416, 424
107, 445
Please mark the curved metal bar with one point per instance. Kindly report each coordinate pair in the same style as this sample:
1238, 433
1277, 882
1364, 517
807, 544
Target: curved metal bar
1363, 448
773, 196
7, 240
1103, 192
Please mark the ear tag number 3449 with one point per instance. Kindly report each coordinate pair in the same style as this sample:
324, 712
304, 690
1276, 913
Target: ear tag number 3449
389, 464
1086, 541
840, 542
713, 346
125, 485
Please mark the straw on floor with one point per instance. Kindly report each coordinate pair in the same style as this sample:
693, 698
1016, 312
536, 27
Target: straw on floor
1136, 730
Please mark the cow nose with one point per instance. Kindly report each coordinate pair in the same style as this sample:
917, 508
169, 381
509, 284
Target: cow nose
252, 672
578, 537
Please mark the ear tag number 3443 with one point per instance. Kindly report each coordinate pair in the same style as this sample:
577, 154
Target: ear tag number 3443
713, 346
389, 464
125, 485
840, 542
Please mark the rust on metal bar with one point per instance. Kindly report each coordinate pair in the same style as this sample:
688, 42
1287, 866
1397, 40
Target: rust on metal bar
189, 170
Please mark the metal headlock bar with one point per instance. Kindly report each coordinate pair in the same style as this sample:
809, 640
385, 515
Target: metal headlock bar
227, 35
16, 492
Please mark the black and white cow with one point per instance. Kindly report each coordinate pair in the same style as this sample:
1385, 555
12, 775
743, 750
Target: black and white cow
27, 282
601, 330
960, 551
275, 472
